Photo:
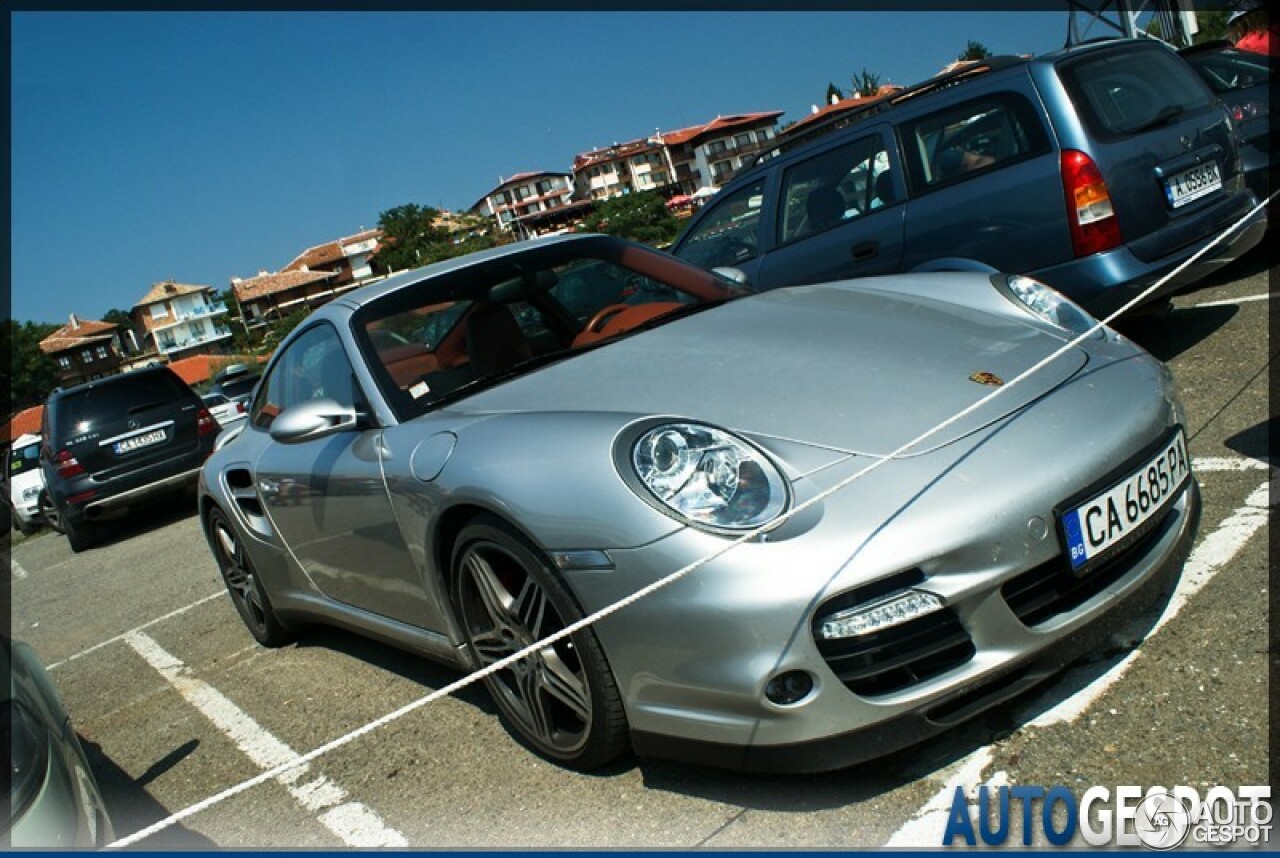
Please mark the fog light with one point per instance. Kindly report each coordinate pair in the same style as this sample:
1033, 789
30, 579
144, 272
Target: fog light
790, 687
893, 610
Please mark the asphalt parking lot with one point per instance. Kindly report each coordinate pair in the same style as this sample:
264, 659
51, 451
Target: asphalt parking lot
176, 703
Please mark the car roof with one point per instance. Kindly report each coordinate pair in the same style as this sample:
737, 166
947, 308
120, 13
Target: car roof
25, 440
110, 379
977, 70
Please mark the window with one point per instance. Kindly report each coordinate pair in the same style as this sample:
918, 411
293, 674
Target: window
742, 141
834, 187
64, 362
102, 352
159, 311
167, 341
715, 147
1120, 94
86, 356
197, 329
314, 367
730, 233
972, 138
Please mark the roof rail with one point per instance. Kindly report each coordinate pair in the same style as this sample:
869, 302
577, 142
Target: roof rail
858, 114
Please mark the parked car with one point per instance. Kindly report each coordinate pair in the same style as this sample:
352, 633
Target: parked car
237, 387
226, 411
1241, 79
54, 800
1096, 169
601, 414
118, 440
23, 482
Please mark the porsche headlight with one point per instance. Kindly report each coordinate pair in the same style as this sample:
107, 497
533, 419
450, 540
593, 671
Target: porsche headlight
707, 476
1045, 302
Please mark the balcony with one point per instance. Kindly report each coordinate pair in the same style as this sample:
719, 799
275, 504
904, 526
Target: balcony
198, 313
168, 345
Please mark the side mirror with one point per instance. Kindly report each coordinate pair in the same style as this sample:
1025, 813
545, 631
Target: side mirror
737, 275
315, 418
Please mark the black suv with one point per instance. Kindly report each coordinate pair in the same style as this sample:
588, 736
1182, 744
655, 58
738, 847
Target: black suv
118, 440
1099, 169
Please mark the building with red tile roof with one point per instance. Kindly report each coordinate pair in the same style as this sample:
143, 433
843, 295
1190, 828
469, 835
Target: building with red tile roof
524, 198
707, 155
84, 350
611, 171
347, 258
275, 295
182, 319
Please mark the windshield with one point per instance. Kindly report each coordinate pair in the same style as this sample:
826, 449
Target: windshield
459, 332
1228, 69
23, 459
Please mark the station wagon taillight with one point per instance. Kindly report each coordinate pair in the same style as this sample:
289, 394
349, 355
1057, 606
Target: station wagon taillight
1094, 227
205, 422
67, 465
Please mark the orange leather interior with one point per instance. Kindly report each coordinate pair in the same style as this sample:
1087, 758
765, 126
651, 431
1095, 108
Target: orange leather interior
625, 321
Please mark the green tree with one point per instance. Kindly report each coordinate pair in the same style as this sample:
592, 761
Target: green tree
29, 374
866, 84
280, 328
640, 217
409, 233
833, 94
973, 51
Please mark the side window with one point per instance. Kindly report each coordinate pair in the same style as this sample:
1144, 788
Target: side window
314, 367
730, 233
834, 187
972, 138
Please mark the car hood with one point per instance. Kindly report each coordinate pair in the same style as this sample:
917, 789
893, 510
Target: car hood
832, 365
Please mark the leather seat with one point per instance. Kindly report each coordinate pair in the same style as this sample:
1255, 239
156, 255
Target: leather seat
495, 342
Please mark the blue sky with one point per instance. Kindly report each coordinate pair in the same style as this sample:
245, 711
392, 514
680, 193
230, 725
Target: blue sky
202, 146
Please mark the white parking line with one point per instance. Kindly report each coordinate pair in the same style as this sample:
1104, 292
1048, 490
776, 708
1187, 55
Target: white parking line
1231, 302
17, 572
140, 628
927, 825
1229, 463
352, 822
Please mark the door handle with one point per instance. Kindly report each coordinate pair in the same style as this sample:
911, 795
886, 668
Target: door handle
864, 250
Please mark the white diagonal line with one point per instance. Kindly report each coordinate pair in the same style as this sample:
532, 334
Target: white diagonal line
352, 822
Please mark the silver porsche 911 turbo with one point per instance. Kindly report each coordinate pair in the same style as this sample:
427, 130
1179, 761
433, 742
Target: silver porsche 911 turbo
465, 459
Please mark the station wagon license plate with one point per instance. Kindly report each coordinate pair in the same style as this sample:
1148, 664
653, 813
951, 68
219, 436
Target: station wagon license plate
1192, 184
1104, 523
137, 442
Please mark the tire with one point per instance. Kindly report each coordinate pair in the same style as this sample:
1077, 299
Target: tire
561, 701
243, 583
81, 535
50, 512
26, 528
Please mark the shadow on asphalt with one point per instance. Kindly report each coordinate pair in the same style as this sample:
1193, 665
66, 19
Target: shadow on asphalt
415, 668
145, 517
1256, 261
132, 808
1170, 334
1255, 442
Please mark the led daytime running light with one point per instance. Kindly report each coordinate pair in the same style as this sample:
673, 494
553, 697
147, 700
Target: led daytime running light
893, 610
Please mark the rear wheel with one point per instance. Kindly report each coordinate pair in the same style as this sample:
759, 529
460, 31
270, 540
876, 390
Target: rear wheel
561, 699
81, 535
50, 512
247, 592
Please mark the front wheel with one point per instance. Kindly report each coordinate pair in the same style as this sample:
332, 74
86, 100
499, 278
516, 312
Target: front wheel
243, 583
561, 699
26, 528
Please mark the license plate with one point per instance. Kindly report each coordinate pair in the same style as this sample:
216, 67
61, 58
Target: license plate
1105, 522
1192, 184
138, 441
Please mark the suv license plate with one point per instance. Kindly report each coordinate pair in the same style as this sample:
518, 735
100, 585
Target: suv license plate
1103, 522
1192, 184
138, 441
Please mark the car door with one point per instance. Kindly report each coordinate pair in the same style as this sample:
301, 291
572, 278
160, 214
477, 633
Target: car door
326, 497
730, 234
839, 215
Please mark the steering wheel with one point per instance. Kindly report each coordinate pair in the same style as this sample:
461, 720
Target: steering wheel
603, 315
